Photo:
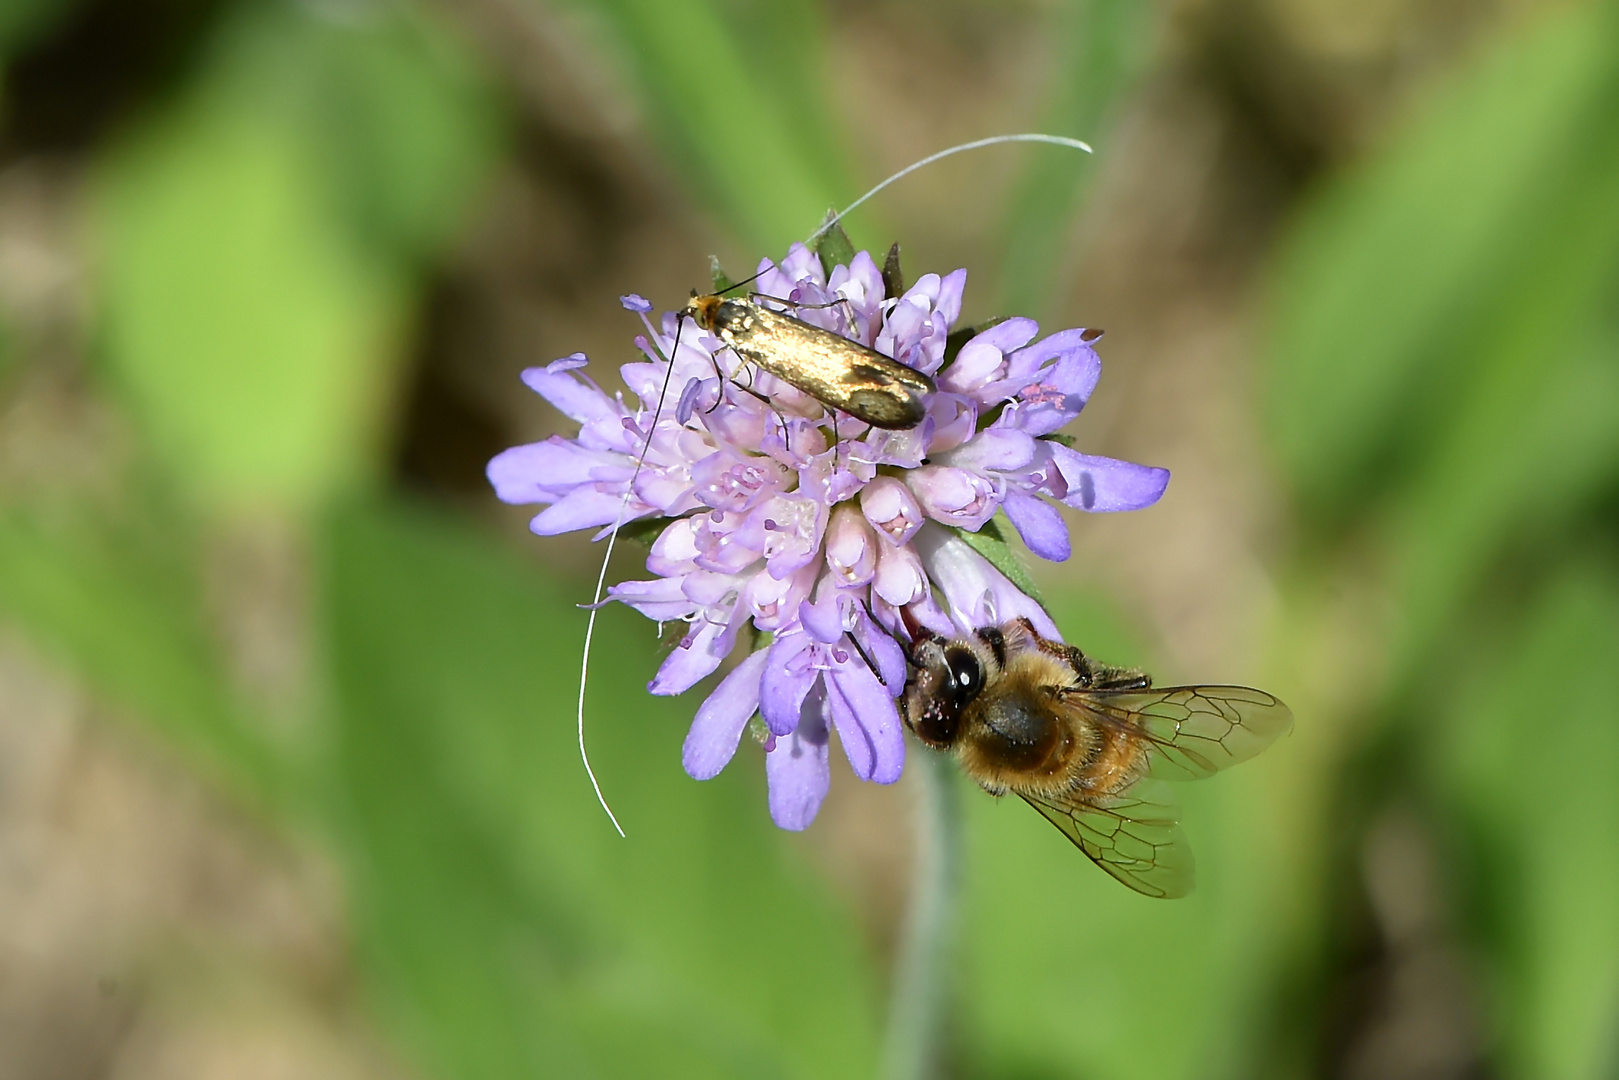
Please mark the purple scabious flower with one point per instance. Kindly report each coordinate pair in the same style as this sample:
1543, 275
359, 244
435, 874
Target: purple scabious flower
834, 538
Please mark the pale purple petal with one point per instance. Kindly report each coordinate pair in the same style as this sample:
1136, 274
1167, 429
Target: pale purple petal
585, 508
574, 398
798, 770
540, 472
993, 450
1105, 485
688, 399
635, 303
885, 652
947, 308
823, 618
720, 720
663, 599
787, 678
867, 721
1040, 525
694, 659
977, 594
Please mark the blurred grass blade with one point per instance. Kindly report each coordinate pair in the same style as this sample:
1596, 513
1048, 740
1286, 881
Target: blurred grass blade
1103, 50
737, 94
1526, 758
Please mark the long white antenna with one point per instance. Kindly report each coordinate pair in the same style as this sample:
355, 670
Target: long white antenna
993, 140
612, 537
590, 629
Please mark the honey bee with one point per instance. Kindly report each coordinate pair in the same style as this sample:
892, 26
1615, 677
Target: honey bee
840, 373
1085, 744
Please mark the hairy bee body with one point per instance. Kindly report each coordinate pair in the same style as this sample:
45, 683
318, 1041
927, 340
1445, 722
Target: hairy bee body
1082, 742
841, 373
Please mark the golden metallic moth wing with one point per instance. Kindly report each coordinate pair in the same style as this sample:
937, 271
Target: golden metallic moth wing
1194, 731
1133, 835
840, 373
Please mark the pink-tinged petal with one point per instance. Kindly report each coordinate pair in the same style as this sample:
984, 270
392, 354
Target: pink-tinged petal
900, 578
1049, 403
674, 551
585, 508
1106, 485
867, 722
720, 720
1043, 530
954, 496
773, 602
851, 547
976, 593
574, 398
891, 509
788, 677
798, 770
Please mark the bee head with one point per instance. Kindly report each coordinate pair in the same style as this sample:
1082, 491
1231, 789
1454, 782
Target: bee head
947, 677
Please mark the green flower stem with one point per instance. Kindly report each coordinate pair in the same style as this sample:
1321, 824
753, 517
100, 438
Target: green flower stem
924, 970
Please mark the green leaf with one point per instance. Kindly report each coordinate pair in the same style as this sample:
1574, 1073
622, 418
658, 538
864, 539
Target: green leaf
509, 931
833, 247
1102, 51
1524, 756
720, 280
257, 243
893, 276
736, 93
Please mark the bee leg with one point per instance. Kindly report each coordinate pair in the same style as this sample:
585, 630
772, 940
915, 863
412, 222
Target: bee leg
860, 649
1114, 678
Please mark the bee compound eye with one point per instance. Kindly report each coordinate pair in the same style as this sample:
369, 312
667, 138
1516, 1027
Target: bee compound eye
966, 675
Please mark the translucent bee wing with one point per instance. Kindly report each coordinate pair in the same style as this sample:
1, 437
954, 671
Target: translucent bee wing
1194, 730
1134, 835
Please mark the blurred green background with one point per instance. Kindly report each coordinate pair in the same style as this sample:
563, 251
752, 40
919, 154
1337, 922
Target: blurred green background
287, 778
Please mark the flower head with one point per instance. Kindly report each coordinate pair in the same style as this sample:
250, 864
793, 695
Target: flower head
831, 536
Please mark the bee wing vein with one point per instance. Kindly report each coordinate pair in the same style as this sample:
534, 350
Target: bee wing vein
1135, 836
1194, 731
